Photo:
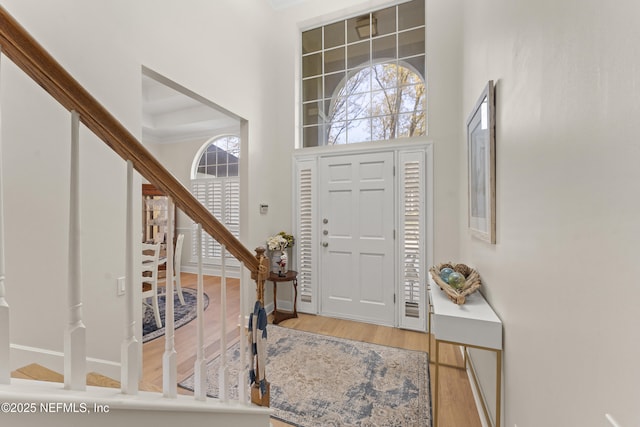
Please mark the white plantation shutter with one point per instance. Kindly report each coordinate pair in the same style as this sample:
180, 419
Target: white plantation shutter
305, 235
412, 252
231, 205
221, 196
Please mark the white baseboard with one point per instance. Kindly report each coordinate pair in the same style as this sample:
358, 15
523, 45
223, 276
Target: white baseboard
269, 308
22, 355
213, 270
285, 305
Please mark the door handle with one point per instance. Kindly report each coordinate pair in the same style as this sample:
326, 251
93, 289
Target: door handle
325, 244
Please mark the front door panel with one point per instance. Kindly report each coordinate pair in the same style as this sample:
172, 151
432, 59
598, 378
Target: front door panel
357, 248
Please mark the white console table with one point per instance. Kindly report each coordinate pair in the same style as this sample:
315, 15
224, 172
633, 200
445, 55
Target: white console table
473, 324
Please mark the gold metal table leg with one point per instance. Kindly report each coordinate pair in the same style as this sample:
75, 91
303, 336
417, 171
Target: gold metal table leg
498, 387
437, 391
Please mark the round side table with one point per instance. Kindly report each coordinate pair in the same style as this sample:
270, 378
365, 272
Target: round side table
279, 315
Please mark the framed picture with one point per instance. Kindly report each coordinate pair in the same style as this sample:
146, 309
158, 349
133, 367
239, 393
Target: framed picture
481, 160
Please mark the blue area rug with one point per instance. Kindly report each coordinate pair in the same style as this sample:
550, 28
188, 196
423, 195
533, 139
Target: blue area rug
183, 314
319, 381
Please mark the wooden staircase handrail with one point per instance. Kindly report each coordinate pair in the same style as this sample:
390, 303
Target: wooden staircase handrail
19, 46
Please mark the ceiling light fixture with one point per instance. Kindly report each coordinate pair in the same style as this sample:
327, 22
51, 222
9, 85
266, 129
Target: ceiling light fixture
366, 29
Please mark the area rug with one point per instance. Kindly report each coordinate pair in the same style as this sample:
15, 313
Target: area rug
320, 381
182, 314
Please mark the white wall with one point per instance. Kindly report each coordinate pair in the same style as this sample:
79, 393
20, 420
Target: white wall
36, 138
222, 50
563, 274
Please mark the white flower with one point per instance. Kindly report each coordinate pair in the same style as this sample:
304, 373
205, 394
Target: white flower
276, 242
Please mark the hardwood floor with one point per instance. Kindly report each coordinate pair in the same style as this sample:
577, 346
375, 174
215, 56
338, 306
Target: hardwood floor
186, 336
457, 406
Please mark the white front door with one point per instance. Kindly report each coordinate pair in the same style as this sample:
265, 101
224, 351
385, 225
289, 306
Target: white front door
357, 237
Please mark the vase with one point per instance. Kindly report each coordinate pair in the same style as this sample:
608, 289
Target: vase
279, 262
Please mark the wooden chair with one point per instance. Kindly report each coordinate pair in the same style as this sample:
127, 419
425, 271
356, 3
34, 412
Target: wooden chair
150, 256
177, 268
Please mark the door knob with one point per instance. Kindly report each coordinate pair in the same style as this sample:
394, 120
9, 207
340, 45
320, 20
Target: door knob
325, 244
325, 221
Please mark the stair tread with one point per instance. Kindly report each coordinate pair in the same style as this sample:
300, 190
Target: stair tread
99, 380
18, 374
38, 372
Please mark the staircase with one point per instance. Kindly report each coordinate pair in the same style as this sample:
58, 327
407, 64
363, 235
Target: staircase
37, 372
32, 394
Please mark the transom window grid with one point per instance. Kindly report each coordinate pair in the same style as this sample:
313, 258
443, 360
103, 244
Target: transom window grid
357, 89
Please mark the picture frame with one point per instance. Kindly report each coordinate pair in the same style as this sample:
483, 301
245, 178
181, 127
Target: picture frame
481, 166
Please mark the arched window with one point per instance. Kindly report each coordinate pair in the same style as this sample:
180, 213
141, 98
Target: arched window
384, 101
220, 158
216, 184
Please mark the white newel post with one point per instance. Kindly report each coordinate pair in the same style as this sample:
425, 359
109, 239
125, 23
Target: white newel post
129, 351
5, 338
75, 334
200, 368
223, 322
169, 360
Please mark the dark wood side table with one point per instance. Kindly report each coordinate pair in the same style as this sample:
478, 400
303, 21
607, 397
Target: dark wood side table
291, 276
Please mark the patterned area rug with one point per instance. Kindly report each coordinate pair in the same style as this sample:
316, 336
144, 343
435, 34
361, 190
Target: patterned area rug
319, 381
183, 314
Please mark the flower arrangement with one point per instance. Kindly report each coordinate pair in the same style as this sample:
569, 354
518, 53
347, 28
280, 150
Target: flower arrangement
280, 241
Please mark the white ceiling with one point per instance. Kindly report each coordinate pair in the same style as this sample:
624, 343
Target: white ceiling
169, 115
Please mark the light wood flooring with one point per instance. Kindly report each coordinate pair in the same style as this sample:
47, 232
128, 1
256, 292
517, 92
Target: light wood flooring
457, 406
186, 336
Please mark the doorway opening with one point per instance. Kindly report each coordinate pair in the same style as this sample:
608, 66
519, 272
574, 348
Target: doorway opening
177, 126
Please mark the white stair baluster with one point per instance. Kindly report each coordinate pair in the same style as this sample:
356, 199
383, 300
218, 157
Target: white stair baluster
243, 373
200, 368
75, 334
223, 328
5, 338
129, 352
169, 360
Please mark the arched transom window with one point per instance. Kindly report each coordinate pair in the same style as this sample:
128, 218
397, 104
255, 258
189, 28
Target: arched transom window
384, 101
